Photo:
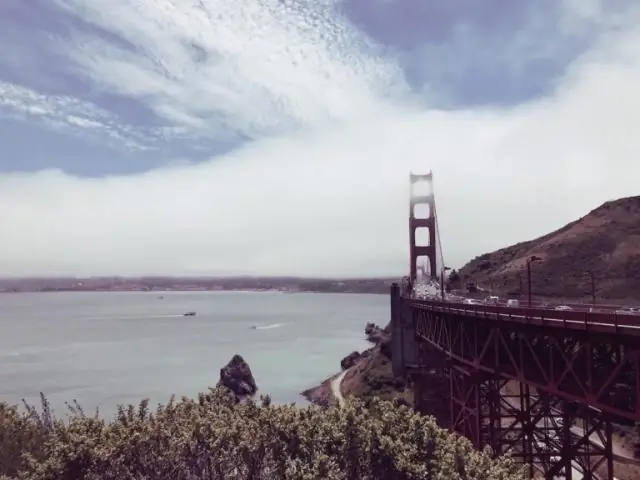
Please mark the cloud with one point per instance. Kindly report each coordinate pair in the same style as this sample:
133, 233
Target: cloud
323, 187
255, 69
63, 112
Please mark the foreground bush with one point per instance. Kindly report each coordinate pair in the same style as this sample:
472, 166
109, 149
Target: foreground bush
212, 437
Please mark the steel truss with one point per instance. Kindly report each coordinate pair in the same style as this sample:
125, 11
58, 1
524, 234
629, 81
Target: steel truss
545, 396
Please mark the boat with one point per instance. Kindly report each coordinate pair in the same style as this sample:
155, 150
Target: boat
190, 314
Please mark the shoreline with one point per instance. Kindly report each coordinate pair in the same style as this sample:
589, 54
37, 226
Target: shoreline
355, 370
204, 290
322, 395
160, 284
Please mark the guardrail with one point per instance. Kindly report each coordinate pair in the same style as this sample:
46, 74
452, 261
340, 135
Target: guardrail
579, 306
608, 322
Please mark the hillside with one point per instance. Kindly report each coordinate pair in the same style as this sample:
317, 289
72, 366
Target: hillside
369, 375
606, 242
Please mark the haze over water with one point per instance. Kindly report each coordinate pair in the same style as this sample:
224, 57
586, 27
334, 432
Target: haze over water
109, 348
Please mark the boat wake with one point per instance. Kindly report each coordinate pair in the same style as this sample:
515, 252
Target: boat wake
268, 327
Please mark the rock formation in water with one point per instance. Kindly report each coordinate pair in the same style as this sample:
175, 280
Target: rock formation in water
237, 377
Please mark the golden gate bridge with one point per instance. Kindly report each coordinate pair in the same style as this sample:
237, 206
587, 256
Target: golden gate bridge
545, 386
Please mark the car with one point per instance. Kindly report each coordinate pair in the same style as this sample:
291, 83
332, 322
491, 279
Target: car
628, 311
513, 303
563, 308
472, 301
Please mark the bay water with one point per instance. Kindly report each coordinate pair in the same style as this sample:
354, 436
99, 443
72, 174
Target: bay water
108, 348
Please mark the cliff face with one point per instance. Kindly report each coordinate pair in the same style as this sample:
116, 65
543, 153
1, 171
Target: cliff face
369, 374
605, 242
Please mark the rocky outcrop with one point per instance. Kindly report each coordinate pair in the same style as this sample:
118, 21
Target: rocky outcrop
237, 377
350, 360
321, 395
368, 374
375, 334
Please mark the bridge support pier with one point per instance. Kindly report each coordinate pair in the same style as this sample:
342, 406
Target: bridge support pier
503, 387
404, 342
466, 411
553, 438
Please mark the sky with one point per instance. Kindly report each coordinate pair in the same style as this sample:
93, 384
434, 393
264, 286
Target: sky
276, 137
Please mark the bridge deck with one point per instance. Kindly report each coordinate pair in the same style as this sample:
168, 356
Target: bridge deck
596, 322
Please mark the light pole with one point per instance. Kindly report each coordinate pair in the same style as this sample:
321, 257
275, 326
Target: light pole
530, 260
593, 287
444, 269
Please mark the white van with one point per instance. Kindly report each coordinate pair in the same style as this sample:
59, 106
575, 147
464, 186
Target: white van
513, 303
492, 300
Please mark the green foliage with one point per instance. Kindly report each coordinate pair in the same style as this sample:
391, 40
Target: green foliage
23, 435
454, 280
213, 437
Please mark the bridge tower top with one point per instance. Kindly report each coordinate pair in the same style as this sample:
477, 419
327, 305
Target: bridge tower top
422, 224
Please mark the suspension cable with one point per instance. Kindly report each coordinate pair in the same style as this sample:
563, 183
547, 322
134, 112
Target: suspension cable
437, 227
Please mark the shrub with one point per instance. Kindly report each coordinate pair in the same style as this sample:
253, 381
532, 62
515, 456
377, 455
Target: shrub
23, 435
213, 437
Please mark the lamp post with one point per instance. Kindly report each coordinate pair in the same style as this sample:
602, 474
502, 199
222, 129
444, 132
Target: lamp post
593, 287
444, 269
530, 260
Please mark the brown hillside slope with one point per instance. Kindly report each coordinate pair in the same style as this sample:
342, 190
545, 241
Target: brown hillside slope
606, 242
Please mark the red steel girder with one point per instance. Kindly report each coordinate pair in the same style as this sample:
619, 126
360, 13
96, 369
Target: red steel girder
595, 369
570, 384
554, 440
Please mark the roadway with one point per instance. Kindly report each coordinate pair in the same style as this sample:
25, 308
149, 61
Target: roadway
433, 292
575, 320
336, 387
563, 316
430, 290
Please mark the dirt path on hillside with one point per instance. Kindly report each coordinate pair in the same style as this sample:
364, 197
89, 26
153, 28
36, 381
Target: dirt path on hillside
336, 387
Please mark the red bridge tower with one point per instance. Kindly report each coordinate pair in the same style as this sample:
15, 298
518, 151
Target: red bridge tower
420, 218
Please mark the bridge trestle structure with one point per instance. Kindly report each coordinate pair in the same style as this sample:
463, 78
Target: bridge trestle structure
543, 386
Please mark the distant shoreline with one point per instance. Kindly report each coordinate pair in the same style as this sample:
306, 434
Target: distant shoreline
185, 290
196, 284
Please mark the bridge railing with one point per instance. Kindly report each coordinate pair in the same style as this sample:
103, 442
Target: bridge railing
603, 307
605, 322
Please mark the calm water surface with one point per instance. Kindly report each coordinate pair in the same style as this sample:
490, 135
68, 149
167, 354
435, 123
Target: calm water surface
109, 348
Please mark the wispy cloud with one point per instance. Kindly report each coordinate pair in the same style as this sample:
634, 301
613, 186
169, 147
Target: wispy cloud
331, 130
255, 68
64, 112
